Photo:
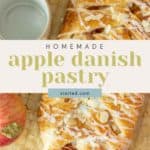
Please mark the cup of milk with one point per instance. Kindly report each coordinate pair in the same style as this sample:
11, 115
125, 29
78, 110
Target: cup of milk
24, 19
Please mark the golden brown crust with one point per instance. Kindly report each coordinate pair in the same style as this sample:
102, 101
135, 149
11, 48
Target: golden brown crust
69, 147
86, 124
125, 19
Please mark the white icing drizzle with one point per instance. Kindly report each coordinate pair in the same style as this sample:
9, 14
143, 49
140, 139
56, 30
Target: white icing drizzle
139, 29
92, 131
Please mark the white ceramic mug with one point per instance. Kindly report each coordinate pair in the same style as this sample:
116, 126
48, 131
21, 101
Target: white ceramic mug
24, 19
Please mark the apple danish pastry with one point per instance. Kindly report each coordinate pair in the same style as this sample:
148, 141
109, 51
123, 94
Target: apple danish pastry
105, 123
107, 20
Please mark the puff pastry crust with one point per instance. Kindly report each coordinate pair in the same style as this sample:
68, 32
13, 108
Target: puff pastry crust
105, 123
107, 20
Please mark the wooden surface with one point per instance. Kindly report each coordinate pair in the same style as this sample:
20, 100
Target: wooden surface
143, 138
58, 9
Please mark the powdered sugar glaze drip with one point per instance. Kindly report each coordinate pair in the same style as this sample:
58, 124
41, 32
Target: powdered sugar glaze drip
107, 19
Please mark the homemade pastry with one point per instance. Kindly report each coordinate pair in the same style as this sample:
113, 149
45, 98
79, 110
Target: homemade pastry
105, 123
107, 20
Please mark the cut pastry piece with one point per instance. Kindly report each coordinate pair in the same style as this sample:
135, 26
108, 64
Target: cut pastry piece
105, 123
107, 20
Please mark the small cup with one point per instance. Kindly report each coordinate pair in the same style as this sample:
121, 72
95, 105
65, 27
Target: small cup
24, 19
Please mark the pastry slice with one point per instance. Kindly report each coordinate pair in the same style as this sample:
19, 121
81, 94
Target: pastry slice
107, 20
106, 123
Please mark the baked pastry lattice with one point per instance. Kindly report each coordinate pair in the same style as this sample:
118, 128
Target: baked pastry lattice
107, 20
105, 123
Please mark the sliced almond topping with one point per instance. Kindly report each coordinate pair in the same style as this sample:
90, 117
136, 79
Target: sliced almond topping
146, 25
115, 128
103, 116
72, 122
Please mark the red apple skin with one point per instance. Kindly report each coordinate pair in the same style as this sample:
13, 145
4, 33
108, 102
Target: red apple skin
5, 141
12, 110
